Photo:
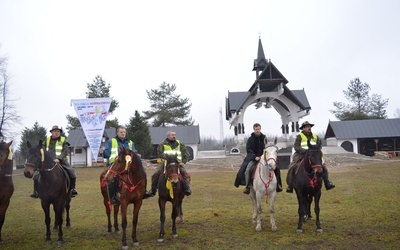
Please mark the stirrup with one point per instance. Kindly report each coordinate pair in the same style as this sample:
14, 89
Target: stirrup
246, 190
289, 190
34, 194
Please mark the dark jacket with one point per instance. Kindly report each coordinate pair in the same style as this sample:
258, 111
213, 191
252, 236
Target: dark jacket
173, 145
254, 147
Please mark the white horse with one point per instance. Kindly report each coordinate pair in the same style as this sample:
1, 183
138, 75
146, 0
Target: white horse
265, 183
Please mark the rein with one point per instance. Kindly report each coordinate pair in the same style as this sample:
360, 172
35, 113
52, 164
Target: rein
128, 184
314, 180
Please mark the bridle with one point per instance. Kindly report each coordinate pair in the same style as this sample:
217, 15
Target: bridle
128, 162
269, 158
128, 184
40, 168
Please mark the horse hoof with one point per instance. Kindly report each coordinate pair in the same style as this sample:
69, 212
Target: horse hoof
160, 240
175, 235
125, 247
135, 244
319, 230
59, 243
299, 230
274, 229
258, 229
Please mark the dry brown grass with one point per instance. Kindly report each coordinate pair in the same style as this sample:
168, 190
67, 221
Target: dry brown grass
362, 212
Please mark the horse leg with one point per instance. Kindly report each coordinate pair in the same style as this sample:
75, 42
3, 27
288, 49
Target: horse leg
272, 196
179, 218
254, 204
2, 218
124, 208
316, 209
58, 210
116, 226
301, 202
47, 220
309, 201
161, 205
136, 208
108, 213
67, 207
174, 214
259, 196
3, 209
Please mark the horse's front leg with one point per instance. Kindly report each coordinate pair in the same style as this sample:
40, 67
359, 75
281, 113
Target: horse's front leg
136, 209
272, 196
174, 215
67, 207
259, 197
116, 211
317, 210
124, 208
47, 220
254, 204
161, 204
58, 210
301, 211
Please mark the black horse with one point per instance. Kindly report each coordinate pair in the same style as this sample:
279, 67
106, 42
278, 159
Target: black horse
53, 187
307, 183
6, 182
170, 188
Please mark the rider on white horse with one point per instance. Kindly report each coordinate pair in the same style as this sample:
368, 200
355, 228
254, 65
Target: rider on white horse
255, 147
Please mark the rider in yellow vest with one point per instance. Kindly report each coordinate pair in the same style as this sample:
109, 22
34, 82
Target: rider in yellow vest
110, 151
171, 146
57, 146
300, 147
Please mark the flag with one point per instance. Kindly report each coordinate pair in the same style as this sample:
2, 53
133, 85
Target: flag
92, 114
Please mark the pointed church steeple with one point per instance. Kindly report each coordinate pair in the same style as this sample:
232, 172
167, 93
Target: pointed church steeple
260, 63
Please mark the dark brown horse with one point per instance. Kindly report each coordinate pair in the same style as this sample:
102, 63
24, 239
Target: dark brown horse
170, 188
128, 171
107, 204
307, 183
6, 182
53, 187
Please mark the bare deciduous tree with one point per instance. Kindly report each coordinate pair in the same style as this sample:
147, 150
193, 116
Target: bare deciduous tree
8, 111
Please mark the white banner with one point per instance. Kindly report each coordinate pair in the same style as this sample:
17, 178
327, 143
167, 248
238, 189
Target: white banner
92, 114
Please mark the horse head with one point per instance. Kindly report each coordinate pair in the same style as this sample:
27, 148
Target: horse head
36, 159
122, 164
5, 152
270, 155
314, 157
171, 167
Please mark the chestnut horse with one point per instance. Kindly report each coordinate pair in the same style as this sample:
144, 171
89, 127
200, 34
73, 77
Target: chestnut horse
170, 188
307, 181
265, 183
53, 187
128, 171
6, 182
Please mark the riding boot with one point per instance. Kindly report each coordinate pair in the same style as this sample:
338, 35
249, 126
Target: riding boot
35, 193
112, 192
154, 183
186, 182
72, 187
290, 180
325, 176
277, 172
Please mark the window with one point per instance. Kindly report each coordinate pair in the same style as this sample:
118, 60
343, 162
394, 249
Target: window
78, 151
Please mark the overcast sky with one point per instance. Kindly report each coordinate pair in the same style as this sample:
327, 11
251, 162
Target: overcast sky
206, 48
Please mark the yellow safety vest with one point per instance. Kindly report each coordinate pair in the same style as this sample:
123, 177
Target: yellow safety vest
114, 149
58, 146
168, 150
304, 140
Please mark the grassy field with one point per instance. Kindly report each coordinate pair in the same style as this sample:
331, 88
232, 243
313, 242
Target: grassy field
362, 212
